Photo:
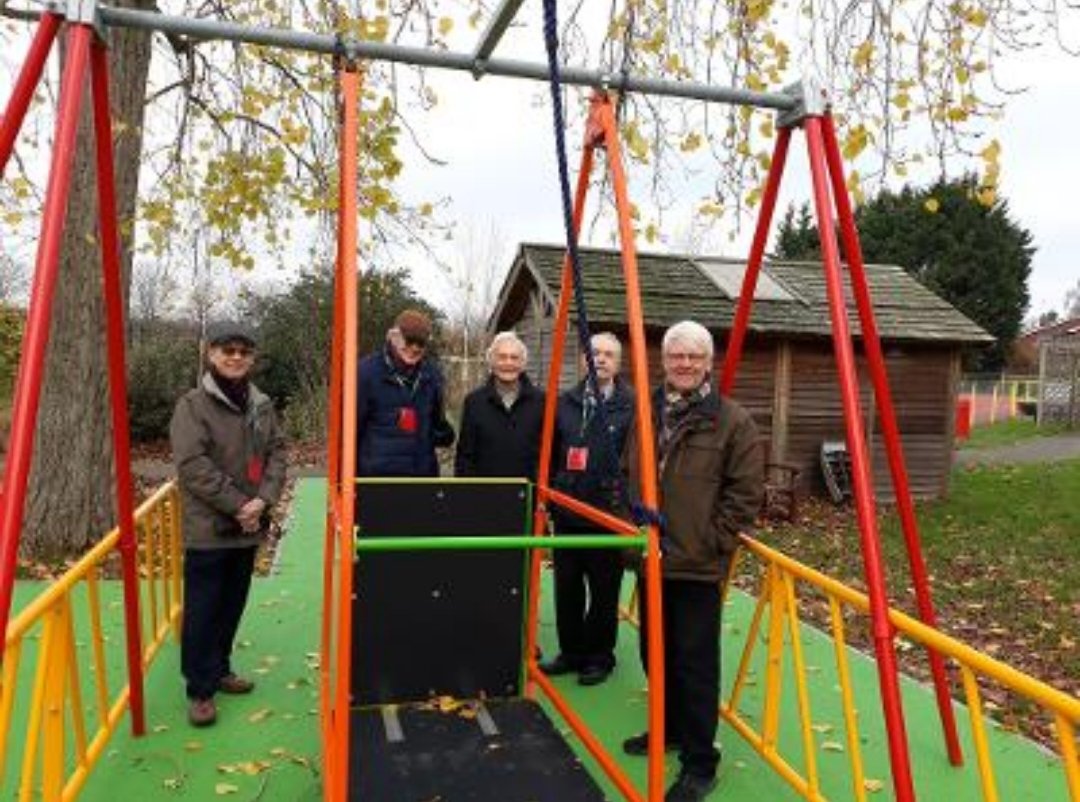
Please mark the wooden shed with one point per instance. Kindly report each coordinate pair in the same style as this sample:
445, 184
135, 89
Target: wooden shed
788, 377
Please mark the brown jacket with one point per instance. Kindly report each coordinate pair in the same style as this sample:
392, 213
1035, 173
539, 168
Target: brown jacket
710, 489
224, 458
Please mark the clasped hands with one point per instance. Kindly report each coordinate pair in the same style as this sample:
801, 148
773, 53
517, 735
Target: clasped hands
250, 515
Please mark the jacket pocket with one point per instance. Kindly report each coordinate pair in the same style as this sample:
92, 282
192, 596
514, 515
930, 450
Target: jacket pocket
699, 463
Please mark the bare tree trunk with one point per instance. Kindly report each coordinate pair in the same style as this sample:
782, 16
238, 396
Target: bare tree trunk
70, 501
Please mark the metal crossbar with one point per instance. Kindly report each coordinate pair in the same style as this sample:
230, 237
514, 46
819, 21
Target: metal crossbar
476, 63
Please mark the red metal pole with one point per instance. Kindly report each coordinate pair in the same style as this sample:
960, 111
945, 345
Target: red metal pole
114, 330
635, 318
23, 91
36, 336
861, 475
547, 431
733, 352
887, 413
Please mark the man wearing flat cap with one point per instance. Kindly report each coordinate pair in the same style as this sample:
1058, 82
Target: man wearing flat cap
230, 459
401, 417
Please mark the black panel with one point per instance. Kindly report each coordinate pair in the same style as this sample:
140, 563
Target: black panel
447, 757
433, 623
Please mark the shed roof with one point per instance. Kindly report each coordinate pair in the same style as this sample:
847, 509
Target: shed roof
675, 287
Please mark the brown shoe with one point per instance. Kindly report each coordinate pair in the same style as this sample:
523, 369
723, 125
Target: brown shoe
235, 685
202, 712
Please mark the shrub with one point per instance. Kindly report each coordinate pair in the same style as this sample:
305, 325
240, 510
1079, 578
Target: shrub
160, 369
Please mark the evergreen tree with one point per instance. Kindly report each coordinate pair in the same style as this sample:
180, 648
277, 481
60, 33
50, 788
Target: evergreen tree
295, 337
797, 239
973, 255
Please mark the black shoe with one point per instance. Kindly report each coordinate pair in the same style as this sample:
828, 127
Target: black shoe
558, 666
638, 745
690, 788
593, 675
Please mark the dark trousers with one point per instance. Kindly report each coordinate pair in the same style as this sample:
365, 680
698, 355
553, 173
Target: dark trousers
216, 585
587, 583
691, 626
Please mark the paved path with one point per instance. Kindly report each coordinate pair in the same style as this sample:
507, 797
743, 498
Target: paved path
1037, 449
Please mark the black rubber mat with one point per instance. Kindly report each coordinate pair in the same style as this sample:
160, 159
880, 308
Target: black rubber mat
454, 754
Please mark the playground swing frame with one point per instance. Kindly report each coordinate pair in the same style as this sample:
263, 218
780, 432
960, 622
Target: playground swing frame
804, 105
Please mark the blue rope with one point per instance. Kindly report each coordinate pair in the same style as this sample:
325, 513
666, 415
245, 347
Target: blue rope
551, 40
641, 514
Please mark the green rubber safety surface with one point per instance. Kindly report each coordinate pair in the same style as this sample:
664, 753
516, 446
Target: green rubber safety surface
265, 746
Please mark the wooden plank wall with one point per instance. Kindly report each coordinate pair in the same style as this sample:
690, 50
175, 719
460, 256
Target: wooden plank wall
923, 391
536, 329
922, 381
816, 411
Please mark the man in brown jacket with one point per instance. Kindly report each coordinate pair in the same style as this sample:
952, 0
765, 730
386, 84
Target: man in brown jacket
710, 477
230, 457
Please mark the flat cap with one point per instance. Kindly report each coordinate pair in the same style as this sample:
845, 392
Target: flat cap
229, 331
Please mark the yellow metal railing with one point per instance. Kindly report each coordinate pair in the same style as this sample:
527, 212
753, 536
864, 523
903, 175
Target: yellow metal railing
59, 745
778, 595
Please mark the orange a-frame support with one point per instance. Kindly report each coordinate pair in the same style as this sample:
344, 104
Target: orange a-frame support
336, 646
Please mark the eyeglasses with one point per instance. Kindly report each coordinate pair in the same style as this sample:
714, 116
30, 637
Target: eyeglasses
237, 350
674, 356
416, 342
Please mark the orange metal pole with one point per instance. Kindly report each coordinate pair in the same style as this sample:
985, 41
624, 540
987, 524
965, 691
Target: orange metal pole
547, 432
597, 516
350, 90
588, 740
604, 112
333, 495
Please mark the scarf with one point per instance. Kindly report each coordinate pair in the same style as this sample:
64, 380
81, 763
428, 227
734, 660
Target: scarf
677, 411
407, 376
236, 390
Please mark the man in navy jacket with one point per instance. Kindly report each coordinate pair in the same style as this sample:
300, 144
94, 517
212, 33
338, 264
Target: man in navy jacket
591, 428
401, 418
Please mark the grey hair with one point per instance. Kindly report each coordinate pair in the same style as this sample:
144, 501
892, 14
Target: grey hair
509, 336
688, 331
610, 337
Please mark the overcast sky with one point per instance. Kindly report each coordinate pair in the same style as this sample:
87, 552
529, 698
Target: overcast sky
495, 136
497, 139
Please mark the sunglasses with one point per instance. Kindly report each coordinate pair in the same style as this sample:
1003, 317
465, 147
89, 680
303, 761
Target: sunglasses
237, 350
416, 342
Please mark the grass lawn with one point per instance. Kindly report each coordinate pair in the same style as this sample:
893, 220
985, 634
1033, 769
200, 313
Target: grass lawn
1008, 432
1003, 552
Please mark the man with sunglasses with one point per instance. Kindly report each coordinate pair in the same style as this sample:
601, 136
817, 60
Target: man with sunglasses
401, 417
230, 457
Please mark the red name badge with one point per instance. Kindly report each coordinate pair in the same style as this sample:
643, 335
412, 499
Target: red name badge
406, 419
255, 470
577, 458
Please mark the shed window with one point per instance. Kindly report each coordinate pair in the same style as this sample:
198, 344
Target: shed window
728, 278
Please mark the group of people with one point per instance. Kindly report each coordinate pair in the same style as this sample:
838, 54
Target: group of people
230, 458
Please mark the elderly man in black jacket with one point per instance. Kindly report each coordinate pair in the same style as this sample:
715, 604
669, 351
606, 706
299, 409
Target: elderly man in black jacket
502, 419
591, 428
